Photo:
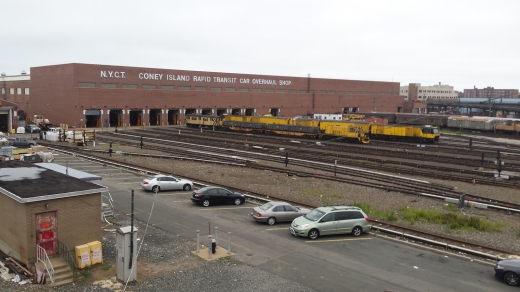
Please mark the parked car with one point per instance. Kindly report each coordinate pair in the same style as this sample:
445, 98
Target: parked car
32, 128
165, 183
508, 270
272, 212
216, 195
21, 142
331, 220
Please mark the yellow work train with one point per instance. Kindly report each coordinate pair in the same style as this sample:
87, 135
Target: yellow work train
358, 130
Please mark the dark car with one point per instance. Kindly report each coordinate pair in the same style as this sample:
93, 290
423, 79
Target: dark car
216, 195
31, 128
508, 270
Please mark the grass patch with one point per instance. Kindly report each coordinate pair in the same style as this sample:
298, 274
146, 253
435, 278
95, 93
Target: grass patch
106, 267
451, 207
385, 215
324, 195
453, 221
85, 274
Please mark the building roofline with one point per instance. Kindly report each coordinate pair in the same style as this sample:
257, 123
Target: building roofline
51, 197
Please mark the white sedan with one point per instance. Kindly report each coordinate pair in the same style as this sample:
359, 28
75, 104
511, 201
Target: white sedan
166, 182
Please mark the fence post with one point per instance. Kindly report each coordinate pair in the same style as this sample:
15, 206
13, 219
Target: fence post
229, 243
209, 246
216, 237
198, 241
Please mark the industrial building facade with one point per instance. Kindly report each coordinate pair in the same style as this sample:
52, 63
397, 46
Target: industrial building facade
109, 96
491, 92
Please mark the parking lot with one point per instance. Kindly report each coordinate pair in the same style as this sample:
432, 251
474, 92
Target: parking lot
330, 263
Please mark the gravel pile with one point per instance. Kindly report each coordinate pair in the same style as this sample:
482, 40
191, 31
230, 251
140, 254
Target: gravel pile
165, 263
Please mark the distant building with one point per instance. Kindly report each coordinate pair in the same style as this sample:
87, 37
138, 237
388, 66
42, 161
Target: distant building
416, 95
491, 92
329, 117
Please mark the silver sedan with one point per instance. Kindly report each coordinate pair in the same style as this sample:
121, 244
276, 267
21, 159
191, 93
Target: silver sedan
165, 182
272, 212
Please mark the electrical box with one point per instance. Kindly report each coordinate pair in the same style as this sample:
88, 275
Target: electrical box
126, 244
96, 255
82, 256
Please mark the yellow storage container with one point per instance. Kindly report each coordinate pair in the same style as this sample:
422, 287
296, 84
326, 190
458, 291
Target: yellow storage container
96, 255
83, 256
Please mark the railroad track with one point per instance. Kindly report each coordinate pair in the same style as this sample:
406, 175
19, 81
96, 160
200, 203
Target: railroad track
380, 225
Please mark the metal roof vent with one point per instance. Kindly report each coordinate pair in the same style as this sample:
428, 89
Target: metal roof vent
23, 72
3, 74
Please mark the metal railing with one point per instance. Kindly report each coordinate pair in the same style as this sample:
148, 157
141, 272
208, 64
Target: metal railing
41, 255
110, 202
64, 253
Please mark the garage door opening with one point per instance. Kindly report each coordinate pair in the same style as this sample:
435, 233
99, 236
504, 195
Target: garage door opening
206, 111
221, 111
115, 118
236, 112
155, 117
93, 118
250, 111
174, 117
136, 117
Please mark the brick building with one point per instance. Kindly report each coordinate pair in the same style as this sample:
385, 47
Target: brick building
43, 207
109, 96
491, 92
417, 95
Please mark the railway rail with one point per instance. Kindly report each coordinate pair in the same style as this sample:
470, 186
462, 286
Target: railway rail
448, 243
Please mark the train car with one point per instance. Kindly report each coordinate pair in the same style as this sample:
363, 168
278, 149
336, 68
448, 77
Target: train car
404, 132
194, 120
347, 129
509, 125
472, 123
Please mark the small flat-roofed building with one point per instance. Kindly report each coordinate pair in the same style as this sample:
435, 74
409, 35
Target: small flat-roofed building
41, 207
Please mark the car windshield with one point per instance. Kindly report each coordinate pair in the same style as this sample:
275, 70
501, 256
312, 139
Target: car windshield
266, 206
314, 215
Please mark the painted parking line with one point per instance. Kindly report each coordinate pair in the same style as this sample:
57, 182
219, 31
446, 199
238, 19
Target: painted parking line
332, 240
182, 201
286, 228
129, 183
224, 208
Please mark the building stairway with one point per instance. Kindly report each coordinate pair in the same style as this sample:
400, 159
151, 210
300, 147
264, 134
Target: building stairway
62, 272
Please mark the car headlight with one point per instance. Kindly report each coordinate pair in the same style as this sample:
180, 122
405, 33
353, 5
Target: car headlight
304, 225
497, 267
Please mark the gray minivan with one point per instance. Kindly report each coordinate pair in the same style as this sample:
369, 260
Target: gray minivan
330, 220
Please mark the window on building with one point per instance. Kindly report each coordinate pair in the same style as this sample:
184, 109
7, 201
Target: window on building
341, 92
332, 92
230, 89
268, 90
108, 85
26, 91
280, 90
358, 92
130, 86
313, 91
374, 92
244, 89
302, 91
396, 93
381, 93
201, 88
167, 87
3, 90
86, 84
388, 93
18, 91
257, 90
350, 92
216, 88
184, 87
11, 90
291, 90
323, 91
420, 91
145, 86
366, 92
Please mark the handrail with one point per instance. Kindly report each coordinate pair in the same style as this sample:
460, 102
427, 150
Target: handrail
41, 255
111, 201
64, 252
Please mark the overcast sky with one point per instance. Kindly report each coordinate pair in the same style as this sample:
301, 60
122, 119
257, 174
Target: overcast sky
460, 43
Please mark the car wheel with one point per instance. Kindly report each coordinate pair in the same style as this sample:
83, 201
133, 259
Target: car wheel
238, 202
357, 231
271, 221
186, 187
205, 203
156, 189
313, 234
511, 279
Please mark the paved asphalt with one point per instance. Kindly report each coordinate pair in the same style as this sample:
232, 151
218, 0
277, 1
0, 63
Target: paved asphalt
333, 263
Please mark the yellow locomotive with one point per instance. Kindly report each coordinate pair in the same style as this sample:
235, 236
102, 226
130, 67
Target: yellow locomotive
352, 129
